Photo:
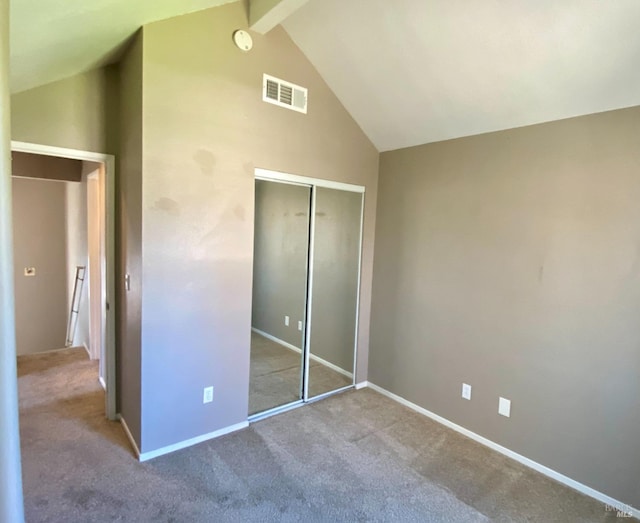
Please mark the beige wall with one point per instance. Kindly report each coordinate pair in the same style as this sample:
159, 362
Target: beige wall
205, 131
511, 261
46, 167
39, 240
129, 239
74, 113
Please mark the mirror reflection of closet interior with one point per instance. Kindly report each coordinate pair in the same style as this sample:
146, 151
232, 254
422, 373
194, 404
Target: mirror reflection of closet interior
305, 293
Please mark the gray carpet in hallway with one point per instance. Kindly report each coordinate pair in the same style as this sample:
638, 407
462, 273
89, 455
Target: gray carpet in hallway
354, 457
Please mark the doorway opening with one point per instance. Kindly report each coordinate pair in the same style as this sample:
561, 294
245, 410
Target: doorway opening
78, 187
306, 287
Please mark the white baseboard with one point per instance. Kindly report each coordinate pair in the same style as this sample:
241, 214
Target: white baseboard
362, 385
622, 508
125, 427
326, 363
277, 340
145, 456
299, 351
102, 382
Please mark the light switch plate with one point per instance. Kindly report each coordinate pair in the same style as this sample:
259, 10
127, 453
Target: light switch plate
466, 391
299, 325
504, 407
208, 395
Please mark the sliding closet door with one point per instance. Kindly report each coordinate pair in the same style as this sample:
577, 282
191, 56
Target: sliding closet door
334, 290
281, 243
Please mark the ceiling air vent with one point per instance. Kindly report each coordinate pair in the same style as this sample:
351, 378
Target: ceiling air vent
284, 94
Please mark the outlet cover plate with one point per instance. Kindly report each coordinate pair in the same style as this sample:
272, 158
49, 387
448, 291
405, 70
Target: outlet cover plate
504, 407
207, 395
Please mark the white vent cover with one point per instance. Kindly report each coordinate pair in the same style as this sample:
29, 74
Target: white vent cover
284, 94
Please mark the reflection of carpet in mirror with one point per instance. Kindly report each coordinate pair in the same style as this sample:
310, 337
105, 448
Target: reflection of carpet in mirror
275, 376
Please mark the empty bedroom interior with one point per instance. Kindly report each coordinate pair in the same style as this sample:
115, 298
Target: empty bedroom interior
500, 239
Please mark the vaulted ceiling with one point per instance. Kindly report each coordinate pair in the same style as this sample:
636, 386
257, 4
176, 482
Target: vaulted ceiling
417, 71
54, 39
408, 71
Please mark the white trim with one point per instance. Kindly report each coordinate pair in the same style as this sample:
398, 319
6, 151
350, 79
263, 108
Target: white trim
359, 289
299, 351
48, 150
102, 383
108, 316
308, 324
332, 366
362, 385
277, 340
329, 393
259, 416
265, 174
127, 432
145, 456
580, 487
35, 178
86, 348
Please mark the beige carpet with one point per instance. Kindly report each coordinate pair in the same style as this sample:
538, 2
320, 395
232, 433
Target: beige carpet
276, 376
357, 456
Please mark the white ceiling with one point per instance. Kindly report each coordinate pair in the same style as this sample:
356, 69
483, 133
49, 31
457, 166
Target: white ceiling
418, 71
408, 71
54, 39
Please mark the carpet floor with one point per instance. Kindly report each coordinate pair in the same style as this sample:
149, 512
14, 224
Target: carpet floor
357, 456
276, 376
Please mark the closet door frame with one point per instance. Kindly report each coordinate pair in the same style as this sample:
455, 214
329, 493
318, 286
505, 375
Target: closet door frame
276, 176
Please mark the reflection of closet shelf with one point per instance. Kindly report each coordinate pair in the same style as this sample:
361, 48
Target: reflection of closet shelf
297, 349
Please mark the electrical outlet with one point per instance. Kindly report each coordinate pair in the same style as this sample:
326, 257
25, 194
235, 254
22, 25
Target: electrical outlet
29, 271
466, 391
208, 395
299, 325
286, 321
504, 407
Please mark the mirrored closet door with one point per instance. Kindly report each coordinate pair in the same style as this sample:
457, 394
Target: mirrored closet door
280, 261
306, 280
335, 269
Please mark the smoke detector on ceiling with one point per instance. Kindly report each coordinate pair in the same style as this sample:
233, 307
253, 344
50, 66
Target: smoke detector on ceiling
243, 40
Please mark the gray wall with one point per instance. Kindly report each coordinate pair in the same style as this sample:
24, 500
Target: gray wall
189, 178
281, 244
75, 112
205, 130
129, 234
335, 276
46, 167
511, 261
39, 240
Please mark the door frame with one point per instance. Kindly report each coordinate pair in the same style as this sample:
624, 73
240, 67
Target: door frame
108, 261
